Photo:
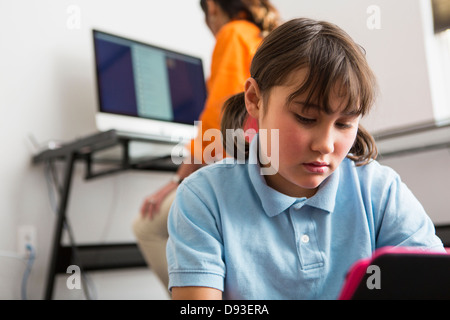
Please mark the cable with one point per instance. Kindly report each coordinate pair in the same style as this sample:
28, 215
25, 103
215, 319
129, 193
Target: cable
26, 274
52, 186
88, 285
29, 263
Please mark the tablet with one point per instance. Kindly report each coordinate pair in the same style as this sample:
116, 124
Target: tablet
399, 273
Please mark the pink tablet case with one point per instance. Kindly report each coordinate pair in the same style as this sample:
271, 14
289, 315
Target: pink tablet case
358, 270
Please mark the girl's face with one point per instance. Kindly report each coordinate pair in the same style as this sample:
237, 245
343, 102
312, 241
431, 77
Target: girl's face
311, 143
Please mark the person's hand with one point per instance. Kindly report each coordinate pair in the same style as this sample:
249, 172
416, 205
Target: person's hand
151, 205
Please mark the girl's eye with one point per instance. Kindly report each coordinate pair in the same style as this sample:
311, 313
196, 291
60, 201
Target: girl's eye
347, 123
344, 125
304, 120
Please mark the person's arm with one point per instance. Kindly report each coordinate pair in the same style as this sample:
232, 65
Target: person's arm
196, 293
152, 203
400, 218
185, 169
195, 252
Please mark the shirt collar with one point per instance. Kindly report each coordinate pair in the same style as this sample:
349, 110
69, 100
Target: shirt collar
275, 202
325, 198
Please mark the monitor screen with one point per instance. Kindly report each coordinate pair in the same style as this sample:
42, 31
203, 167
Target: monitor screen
144, 81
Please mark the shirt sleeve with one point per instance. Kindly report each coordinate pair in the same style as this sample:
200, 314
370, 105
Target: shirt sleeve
230, 67
195, 246
403, 220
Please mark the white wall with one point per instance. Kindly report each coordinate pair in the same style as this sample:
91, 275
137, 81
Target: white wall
47, 90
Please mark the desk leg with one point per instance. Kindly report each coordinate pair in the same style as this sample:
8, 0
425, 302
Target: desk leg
61, 219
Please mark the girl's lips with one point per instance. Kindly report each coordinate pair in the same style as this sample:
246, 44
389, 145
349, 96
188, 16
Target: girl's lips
317, 167
319, 164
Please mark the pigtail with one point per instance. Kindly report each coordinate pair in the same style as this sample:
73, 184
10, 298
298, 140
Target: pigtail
234, 117
364, 149
259, 12
264, 15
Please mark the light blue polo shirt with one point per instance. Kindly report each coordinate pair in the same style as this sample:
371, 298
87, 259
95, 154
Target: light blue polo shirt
230, 231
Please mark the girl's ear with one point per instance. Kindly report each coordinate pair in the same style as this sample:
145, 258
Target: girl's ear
253, 98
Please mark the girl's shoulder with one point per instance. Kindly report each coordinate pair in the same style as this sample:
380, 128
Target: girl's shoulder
374, 173
224, 171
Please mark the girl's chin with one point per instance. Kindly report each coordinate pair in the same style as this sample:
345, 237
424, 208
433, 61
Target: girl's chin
310, 184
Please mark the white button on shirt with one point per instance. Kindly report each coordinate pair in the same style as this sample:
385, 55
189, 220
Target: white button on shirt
305, 238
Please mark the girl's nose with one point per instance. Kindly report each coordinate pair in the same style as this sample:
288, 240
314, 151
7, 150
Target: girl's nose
323, 142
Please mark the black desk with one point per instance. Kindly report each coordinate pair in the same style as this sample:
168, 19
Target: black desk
84, 149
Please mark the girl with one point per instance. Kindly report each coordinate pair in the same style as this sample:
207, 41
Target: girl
238, 26
237, 234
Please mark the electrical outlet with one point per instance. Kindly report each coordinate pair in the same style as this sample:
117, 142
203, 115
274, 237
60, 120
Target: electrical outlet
26, 235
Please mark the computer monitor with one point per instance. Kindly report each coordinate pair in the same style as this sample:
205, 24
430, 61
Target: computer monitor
143, 89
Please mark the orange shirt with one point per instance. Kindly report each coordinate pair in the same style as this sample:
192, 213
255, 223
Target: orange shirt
236, 43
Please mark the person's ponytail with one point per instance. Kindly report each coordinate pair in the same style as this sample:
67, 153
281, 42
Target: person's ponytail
234, 118
264, 15
364, 149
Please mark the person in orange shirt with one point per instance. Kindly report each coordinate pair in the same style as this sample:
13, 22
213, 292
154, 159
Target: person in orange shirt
238, 27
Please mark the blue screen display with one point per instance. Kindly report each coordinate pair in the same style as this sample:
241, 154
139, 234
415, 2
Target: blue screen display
141, 80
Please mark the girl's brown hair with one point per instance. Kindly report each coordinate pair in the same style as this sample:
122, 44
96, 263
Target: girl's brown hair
332, 59
260, 12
